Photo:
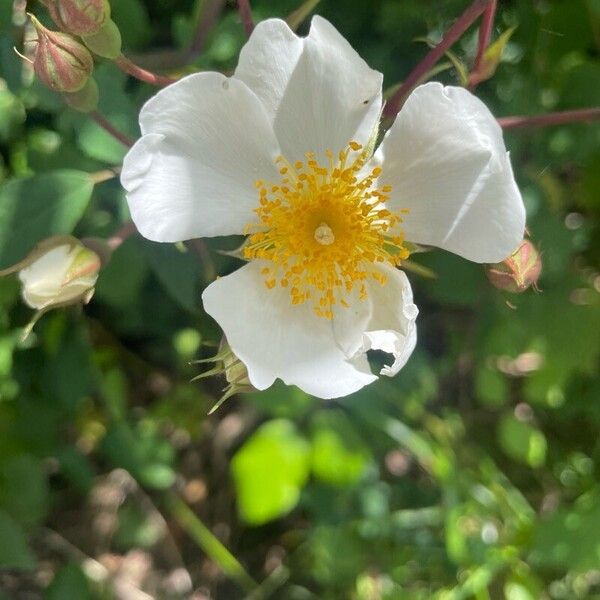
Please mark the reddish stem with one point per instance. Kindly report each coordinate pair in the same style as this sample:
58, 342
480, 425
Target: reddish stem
132, 69
246, 15
107, 126
451, 36
121, 235
558, 118
206, 22
485, 33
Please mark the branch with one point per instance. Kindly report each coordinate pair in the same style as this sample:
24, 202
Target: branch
246, 15
121, 235
452, 35
208, 542
107, 126
583, 115
485, 33
132, 69
206, 22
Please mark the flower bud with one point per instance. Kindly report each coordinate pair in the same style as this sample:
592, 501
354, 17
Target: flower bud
517, 272
106, 42
58, 272
79, 17
61, 62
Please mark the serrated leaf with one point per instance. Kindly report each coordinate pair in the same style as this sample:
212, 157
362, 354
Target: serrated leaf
35, 208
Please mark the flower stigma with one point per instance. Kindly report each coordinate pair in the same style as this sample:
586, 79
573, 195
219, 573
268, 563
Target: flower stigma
322, 229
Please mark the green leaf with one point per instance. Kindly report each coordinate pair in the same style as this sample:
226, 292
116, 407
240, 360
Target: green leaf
132, 19
118, 108
179, 273
69, 582
23, 489
269, 472
339, 456
568, 539
522, 441
12, 114
14, 553
35, 208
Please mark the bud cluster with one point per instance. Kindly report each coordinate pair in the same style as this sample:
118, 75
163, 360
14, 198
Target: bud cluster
63, 59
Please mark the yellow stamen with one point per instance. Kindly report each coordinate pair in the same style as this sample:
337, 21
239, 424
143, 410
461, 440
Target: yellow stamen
323, 229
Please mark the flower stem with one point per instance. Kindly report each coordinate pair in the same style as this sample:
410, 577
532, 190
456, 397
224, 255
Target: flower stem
105, 175
206, 21
246, 15
485, 35
557, 118
208, 542
108, 127
121, 235
128, 66
450, 37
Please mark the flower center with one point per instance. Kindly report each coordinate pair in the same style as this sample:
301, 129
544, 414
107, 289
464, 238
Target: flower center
322, 229
324, 234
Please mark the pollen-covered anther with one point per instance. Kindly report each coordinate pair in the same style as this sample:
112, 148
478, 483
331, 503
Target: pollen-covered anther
323, 229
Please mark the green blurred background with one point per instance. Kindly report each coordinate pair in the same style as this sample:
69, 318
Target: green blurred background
475, 473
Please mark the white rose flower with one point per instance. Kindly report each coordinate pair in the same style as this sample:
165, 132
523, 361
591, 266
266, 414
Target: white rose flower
279, 152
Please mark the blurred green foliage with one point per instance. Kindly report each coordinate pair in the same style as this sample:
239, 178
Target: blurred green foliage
475, 473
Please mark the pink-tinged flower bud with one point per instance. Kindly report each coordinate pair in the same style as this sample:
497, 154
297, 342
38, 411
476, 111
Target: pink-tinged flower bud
79, 17
517, 272
59, 271
61, 62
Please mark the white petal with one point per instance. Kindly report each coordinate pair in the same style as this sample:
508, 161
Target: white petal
44, 275
447, 163
318, 90
268, 60
275, 339
384, 321
206, 140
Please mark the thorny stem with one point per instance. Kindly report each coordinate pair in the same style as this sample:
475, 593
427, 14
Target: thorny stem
450, 37
246, 15
557, 118
108, 127
208, 542
128, 66
485, 35
121, 235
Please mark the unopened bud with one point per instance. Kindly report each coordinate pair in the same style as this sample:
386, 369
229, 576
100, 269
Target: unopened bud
517, 272
59, 271
79, 17
106, 42
61, 62
86, 99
